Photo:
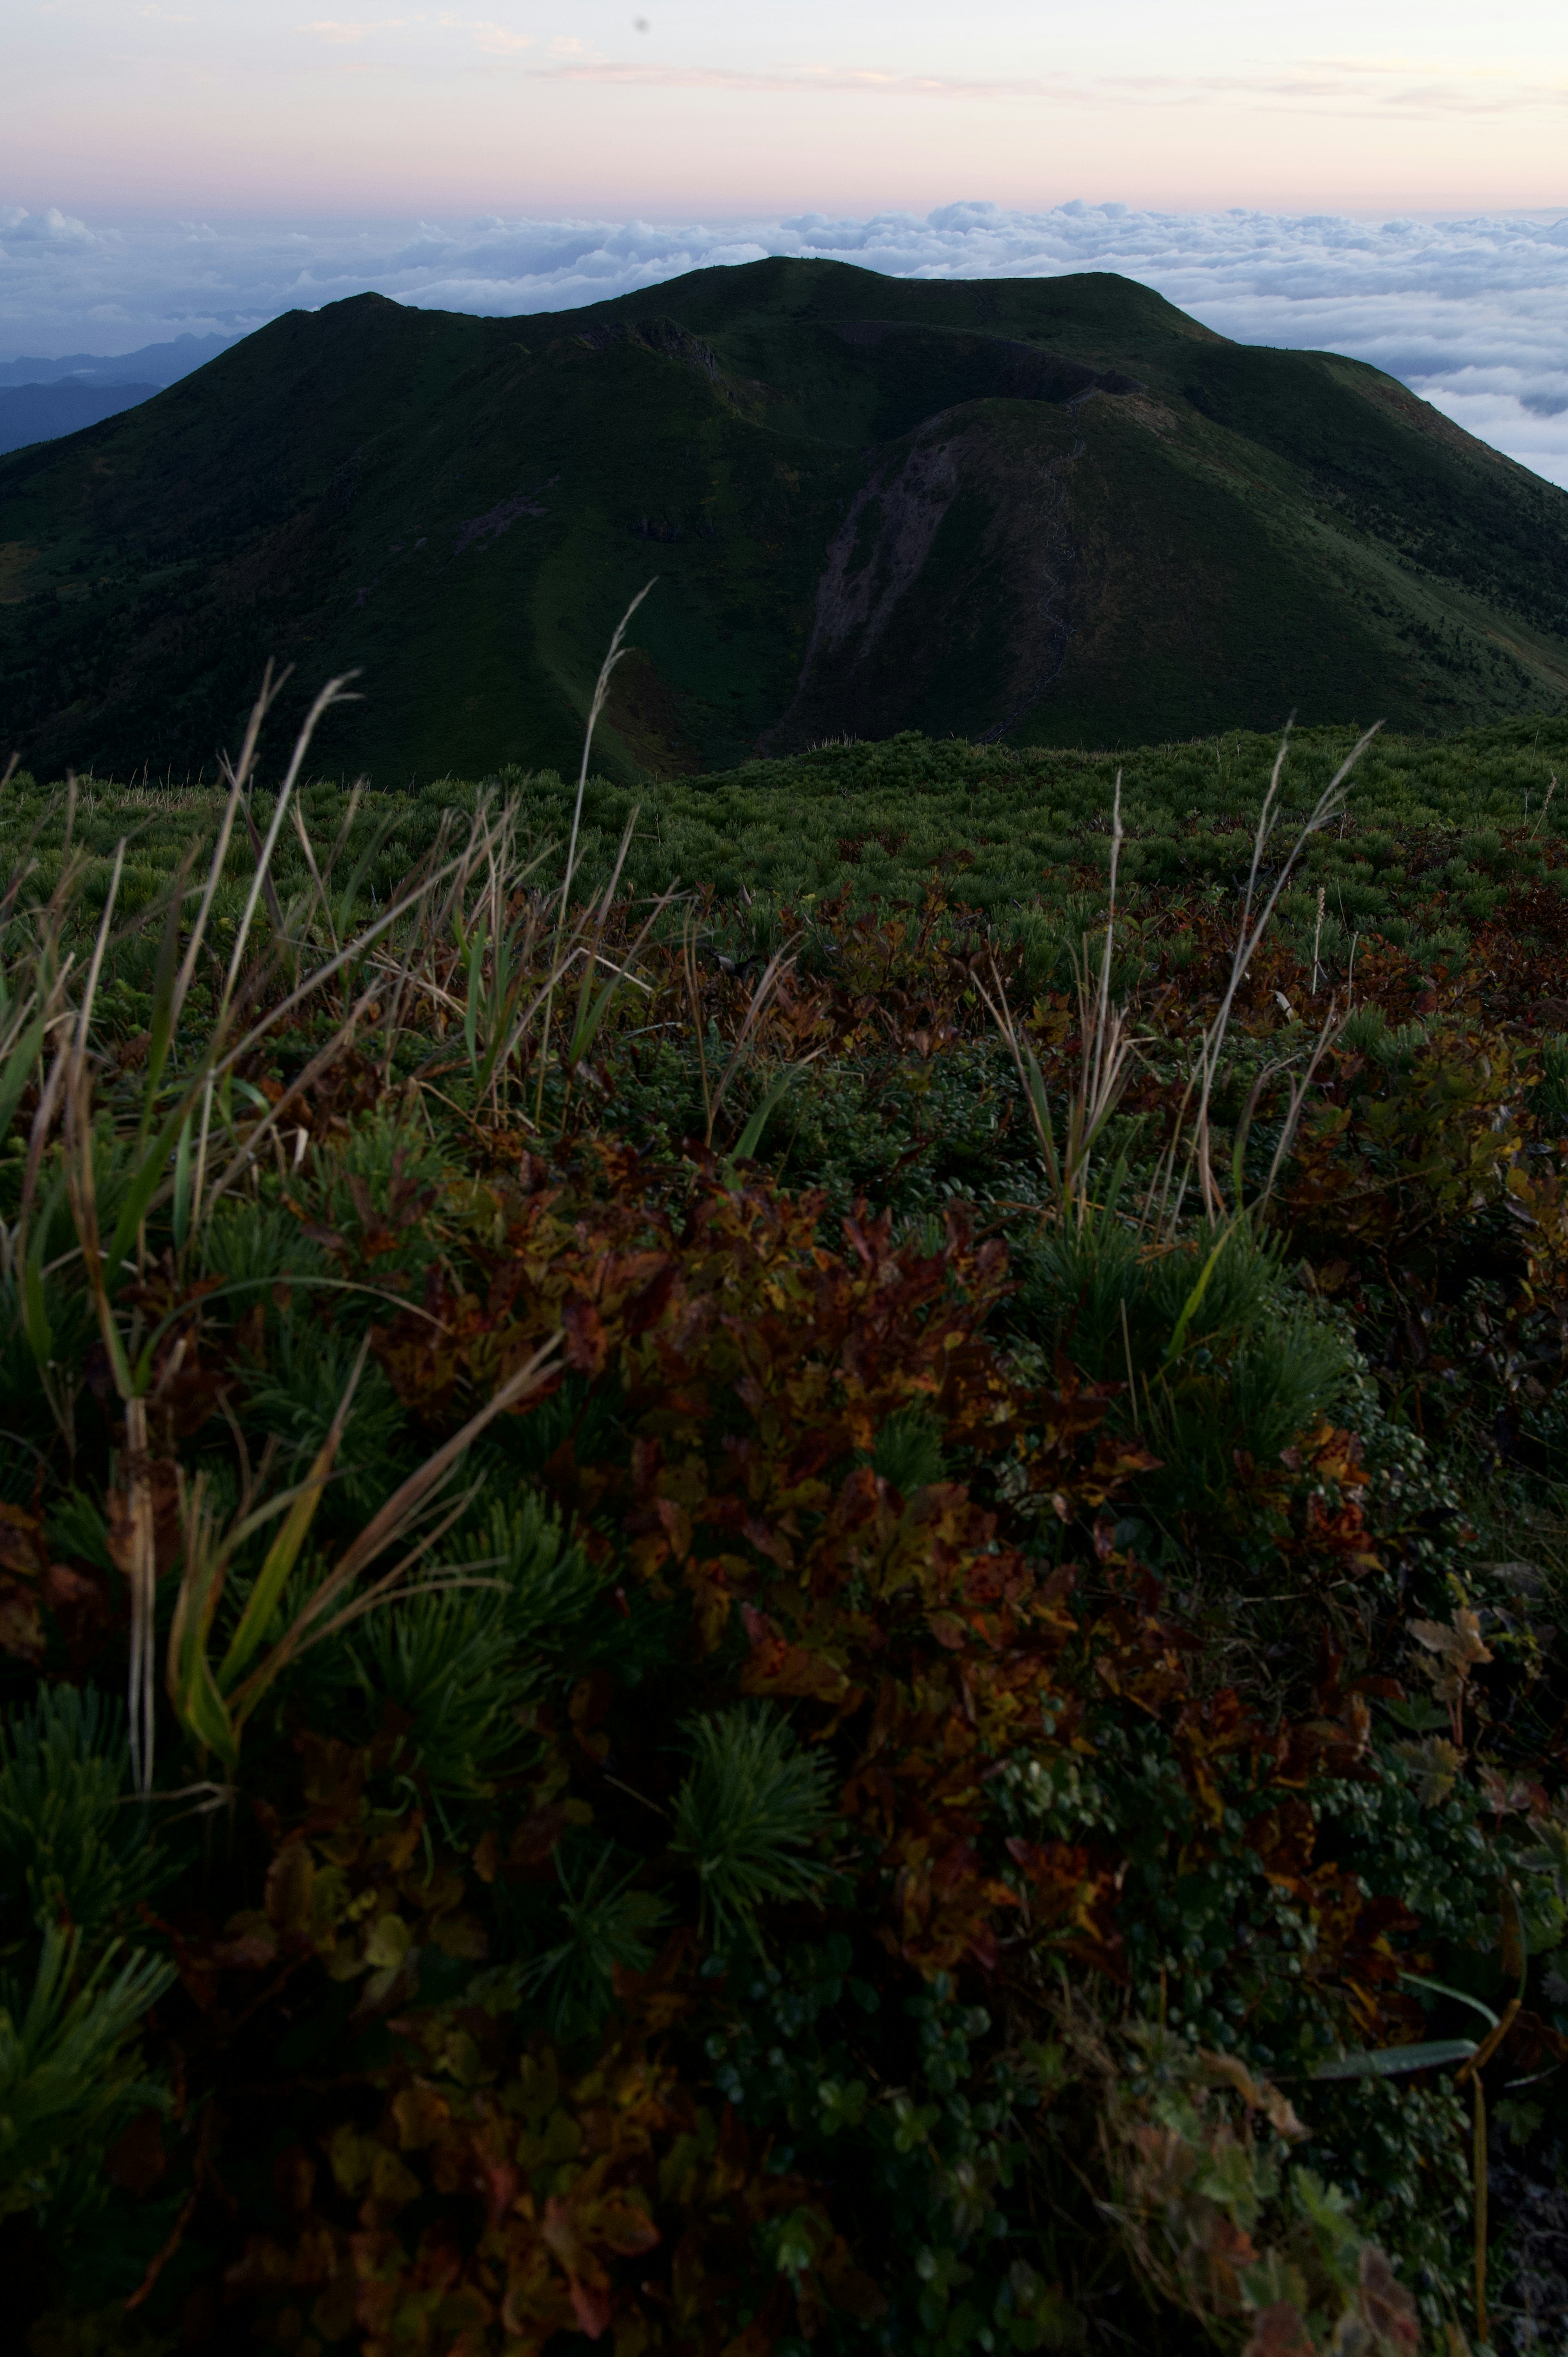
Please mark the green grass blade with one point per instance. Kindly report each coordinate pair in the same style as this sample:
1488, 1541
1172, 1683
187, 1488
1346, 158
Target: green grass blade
473, 958
381, 836
284, 1552
1190, 1307
18, 1068
35, 1317
145, 1184
182, 1186
280, 1558
161, 1030
1460, 1997
590, 1017
750, 1137
1394, 2061
198, 1703
1040, 1113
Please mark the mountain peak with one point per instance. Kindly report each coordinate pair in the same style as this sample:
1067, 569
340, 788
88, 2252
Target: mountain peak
1042, 511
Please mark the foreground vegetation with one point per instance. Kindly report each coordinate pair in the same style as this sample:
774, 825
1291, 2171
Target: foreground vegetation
1438, 832
817, 1610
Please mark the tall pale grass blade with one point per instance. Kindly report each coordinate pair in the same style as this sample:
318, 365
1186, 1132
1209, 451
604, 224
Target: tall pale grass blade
181, 1207
237, 774
333, 693
43, 1122
18, 1068
617, 648
300, 1086
90, 989
319, 881
142, 1580
777, 968
313, 983
35, 1314
1251, 934
160, 1031
215, 866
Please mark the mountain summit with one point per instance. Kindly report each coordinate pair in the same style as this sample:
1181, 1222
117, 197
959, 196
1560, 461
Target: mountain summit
1050, 510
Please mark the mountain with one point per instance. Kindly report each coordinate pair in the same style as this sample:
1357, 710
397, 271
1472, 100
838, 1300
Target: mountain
41, 413
1050, 511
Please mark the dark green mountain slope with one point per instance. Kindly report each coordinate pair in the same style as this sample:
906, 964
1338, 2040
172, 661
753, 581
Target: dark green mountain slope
1051, 510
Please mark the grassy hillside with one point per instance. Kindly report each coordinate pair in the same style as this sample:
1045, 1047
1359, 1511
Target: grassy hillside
796, 1615
1046, 512
1435, 832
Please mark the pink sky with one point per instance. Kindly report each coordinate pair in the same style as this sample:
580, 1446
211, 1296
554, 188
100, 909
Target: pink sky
676, 108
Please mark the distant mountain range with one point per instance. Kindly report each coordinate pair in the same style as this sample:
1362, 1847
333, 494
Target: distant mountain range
40, 400
154, 364
42, 413
1045, 510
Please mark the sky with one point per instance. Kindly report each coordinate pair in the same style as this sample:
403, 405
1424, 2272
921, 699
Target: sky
1376, 176
683, 109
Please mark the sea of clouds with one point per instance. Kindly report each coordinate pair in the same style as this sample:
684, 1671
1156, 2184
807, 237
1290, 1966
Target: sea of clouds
1472, 313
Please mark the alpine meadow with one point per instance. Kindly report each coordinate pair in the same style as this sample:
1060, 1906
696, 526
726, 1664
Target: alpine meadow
784, 1343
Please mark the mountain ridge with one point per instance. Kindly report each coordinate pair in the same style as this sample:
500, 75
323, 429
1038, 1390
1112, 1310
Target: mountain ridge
1040, 510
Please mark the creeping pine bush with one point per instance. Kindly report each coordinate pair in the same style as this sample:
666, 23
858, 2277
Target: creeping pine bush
670, 1681
747, 1817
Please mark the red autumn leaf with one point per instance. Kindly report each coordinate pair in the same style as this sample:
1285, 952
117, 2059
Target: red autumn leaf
1386, 2304
1280, 2331
587, 1341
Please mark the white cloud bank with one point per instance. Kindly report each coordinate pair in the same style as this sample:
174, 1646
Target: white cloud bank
1472, 313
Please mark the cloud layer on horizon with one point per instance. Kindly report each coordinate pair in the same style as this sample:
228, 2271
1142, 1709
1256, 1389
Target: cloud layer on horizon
1472, 313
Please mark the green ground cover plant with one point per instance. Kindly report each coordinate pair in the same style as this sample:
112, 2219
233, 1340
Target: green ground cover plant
753, 1607
1437, 831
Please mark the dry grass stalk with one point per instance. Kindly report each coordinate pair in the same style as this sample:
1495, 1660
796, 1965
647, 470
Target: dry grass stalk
1105, 1060
1254, 924
617, 649
1108, 1045
196, 1142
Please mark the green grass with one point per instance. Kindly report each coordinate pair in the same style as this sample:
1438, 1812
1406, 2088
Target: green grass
1436, 831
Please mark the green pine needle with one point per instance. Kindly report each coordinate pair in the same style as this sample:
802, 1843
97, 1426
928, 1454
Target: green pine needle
750, 1808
